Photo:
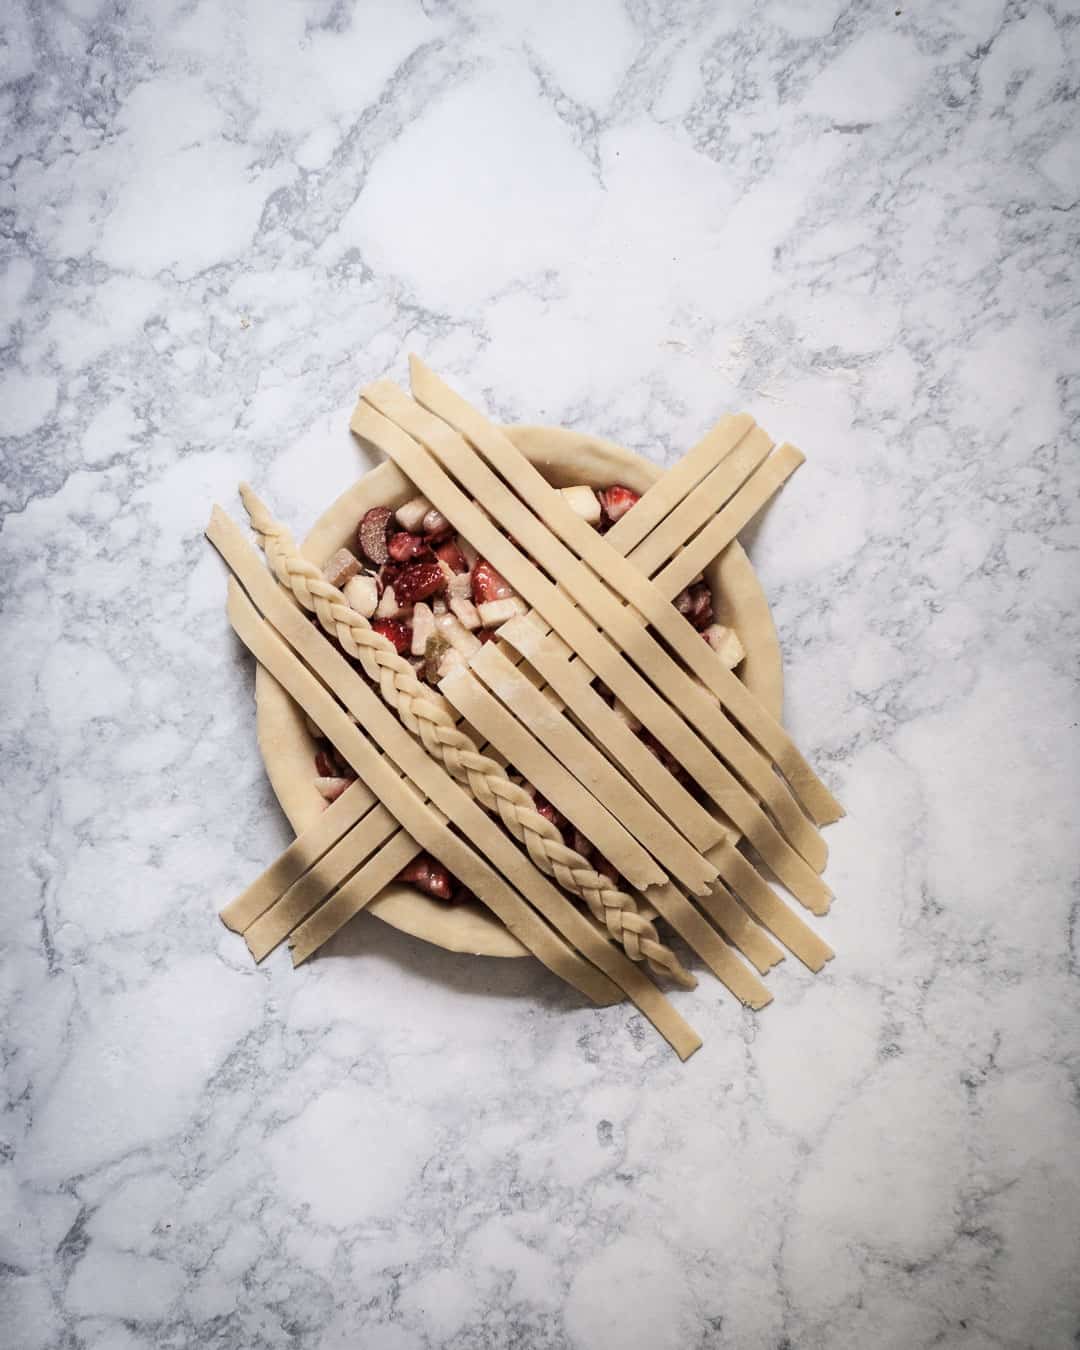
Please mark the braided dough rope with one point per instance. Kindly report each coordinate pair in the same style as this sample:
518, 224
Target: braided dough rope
426, 715
493, 445
426, 778
661, 718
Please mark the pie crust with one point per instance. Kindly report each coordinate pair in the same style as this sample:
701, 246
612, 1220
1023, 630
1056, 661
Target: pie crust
565, 458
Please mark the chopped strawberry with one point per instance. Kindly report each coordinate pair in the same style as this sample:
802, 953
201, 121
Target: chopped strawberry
371, 534
616, 501
398, 633
324, 765
581, 845
404, 546
487, 584
429, 876
418, 581
544, 808
450, 553
701, 609
483, 634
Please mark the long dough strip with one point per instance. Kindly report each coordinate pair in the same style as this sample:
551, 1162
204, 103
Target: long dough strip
433, 782
422, 823
666, 493
659, 716
768, 909
580, 757
740, 929
427, 715
351, 898
517, 743
822, 806
709, 945
726, 524
572, 681
548, 654
559, 525
699, 506
307, 893
304, 851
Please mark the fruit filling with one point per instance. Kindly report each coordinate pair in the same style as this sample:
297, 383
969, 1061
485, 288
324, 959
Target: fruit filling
427, 590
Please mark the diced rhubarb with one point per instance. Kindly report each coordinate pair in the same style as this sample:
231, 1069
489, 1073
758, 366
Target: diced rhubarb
403, 546
362, 593
411, 516
340, 568
397, 632
449, 552
371, 534
725, 643
418, 581
494, 612
583, 501
487, 584
458, 584
332, 788
429, 876
423, 625
617, 500
389, 606
435, 525
456, 634
464, 611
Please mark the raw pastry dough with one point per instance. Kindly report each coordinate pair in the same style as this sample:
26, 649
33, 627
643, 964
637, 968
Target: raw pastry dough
594, 648
432, 781
578, 755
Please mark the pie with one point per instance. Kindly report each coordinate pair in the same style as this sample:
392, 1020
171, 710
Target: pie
296, 760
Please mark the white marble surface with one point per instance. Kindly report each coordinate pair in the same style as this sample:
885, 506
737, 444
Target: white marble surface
861, 225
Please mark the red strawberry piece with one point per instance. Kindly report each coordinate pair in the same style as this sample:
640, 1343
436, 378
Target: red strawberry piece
400, 634
450, 553
617, 500
388, 575
701, 609
483, 635
429, 876
683, 602
606, 869
544, 808
581, 845
487, 584
404, 546
371, 534
324, 765
418, 581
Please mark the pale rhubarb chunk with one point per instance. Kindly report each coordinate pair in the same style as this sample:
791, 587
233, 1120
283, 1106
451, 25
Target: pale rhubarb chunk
342, 567
583, 501
362, 594
725, 642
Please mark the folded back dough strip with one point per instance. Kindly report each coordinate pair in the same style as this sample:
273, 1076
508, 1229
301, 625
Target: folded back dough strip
595, 648
722, 529
517, 743
603, 552
554, 730
433, 782
666, 493
310, 890
304, 851
699, 506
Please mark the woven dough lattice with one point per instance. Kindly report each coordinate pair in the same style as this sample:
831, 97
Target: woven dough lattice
596, 774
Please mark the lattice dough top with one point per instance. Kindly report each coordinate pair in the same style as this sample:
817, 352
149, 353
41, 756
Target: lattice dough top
526, 709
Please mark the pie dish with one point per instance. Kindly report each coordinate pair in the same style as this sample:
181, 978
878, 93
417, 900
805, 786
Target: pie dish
565, 458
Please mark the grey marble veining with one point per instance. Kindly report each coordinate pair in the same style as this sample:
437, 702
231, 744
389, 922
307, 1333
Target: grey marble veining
858, 222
